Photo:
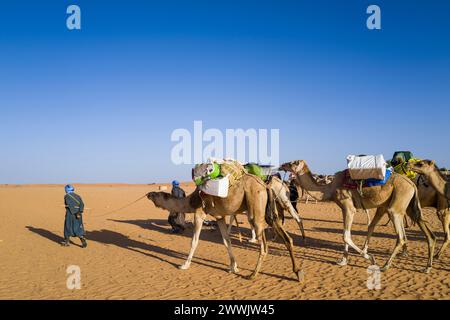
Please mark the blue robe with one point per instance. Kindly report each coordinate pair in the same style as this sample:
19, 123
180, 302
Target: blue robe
73, 227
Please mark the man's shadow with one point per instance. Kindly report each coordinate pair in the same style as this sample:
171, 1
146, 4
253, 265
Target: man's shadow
46, 234
50, 235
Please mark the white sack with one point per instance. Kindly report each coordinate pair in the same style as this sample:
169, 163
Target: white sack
216, 187
366, 167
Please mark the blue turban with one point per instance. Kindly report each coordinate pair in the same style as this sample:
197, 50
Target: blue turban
69, 188
175, 183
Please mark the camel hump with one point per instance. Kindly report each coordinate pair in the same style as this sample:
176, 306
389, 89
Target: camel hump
233, 169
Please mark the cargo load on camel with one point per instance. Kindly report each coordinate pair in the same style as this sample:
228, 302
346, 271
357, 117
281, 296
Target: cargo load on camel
400, 161
366, 171
366, 167
222, 174
218, 176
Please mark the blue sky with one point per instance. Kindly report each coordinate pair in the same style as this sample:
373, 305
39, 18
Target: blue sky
100, 104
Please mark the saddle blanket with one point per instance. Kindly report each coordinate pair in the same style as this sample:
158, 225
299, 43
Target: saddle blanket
349, 183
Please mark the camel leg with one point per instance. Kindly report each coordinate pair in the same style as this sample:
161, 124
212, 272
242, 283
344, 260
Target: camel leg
404, 252
198, 223
253, 239
252, 228
386, 224
348, 214
277, 226
230, 225
368, 216
226, 241
444, 216
397, 219
261, 236
431, 240
290, 208
378, 215
297, 218
406, 224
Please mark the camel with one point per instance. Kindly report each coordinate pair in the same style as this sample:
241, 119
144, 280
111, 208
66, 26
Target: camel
249, 195
428, 182
398, 197
323, 180
435, 177
281, 194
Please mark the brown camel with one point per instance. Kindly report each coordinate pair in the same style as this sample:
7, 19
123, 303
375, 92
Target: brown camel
250, 196
398, 197
435, 177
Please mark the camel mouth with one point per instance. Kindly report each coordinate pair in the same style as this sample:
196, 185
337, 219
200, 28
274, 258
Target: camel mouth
284, 167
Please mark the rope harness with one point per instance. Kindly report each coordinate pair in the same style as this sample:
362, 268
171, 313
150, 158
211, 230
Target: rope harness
115, 210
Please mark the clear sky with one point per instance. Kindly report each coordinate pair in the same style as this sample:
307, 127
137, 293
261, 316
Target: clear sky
99, 104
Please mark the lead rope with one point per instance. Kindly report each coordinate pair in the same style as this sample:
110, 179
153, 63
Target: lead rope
126, 206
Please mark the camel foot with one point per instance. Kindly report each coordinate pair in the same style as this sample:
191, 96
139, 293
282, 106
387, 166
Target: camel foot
342, 262
438, 255
300, 275
252, 276
404, 254
369, 257
184, 266
384, 268
234, 269
427, 270
252, 240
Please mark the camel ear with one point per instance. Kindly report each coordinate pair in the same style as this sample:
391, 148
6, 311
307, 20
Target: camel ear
432, 163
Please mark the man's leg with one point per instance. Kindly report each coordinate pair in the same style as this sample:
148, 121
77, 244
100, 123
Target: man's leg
83, 242
173, 223
65, 242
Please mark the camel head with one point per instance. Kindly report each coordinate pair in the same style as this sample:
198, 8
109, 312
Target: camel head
297, 167
422, 166
159, 198
201, 171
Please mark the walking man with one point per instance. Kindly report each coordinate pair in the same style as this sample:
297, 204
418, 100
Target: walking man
73, 224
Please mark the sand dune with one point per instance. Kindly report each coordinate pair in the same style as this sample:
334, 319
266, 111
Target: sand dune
132, 255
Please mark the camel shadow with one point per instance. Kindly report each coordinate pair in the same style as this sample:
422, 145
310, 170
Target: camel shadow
210, 235
332, 221
411, 234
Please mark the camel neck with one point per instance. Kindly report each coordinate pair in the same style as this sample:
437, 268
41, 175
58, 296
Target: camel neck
437, 182
317, 191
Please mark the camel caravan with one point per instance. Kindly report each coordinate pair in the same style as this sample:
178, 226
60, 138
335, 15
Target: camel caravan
226, 188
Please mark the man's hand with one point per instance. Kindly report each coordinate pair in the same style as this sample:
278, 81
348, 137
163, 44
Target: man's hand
78, 216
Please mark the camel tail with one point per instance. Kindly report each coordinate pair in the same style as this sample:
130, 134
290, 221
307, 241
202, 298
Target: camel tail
414, 208
271, 208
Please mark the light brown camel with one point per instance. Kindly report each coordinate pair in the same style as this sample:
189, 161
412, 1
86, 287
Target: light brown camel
327, 179
249, 195
430, 196
281, 193
435, 177
398, 197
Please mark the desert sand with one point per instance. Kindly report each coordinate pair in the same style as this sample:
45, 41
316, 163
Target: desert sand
131, 253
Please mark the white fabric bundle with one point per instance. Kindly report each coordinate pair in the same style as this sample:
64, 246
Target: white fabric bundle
216, 187
366, 167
